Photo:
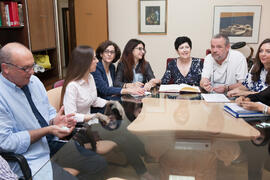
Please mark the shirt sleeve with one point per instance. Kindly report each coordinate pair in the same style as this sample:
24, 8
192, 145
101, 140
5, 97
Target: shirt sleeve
167, 75
207, 67
69, 102
242, 68
12, 140
119, 77
149, 72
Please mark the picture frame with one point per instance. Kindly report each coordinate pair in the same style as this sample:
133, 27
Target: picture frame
239, 23
152, 17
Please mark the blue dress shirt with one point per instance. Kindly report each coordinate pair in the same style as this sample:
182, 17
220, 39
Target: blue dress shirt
17, 118
102, 83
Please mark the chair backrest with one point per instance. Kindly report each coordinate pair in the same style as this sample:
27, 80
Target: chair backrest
58, 83
54, 96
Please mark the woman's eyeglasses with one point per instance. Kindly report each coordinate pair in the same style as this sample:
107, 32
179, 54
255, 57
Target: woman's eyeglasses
141, 49
109, 52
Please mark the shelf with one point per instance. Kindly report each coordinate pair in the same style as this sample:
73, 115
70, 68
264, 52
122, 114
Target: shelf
11, 27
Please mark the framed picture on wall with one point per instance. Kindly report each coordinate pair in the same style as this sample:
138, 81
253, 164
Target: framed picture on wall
152, 16
239, 23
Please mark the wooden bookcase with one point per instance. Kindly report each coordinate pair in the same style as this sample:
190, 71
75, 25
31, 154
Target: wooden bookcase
38, 33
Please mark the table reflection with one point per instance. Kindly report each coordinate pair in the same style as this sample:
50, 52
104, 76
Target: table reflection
183, 136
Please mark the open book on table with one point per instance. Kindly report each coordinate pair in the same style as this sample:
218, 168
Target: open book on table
239, 112
179, 88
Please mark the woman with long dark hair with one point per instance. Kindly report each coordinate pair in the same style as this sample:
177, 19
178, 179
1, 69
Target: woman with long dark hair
259, 76
108, 53
79, 93
133, 70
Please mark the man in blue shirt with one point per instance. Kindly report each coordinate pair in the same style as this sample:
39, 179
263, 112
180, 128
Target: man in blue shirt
22, 133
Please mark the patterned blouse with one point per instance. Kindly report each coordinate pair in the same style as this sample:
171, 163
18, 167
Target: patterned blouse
258, 85
192, 78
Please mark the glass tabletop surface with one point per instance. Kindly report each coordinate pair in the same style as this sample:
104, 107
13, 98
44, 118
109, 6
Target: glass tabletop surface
172, 136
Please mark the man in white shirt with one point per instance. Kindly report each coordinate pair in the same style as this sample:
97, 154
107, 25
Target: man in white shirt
224, 69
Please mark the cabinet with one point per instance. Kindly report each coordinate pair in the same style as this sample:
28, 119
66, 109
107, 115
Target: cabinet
38, 32
90, 21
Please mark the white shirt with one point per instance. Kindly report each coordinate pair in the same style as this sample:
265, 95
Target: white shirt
109, 77
231, 71
80, 96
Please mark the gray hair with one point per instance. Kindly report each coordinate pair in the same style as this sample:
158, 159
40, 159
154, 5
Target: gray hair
217, 36
5, 57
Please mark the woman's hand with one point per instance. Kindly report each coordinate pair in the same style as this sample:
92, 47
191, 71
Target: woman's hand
133, 91
148, 86
240, 99
155, 81
102, 118
252, 106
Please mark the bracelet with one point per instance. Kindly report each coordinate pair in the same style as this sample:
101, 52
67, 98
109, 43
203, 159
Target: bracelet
265, 109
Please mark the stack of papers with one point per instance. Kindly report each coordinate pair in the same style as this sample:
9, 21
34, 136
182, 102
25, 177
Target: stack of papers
238, 111
215, 98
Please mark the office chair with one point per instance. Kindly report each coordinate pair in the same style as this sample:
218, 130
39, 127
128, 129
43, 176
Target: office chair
12, 157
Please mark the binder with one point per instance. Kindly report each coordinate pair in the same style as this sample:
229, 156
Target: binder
239, 112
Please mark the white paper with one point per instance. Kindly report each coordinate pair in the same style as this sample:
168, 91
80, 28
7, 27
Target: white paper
215, 98
93, 121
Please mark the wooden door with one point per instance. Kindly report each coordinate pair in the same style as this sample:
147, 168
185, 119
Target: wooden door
91, 22
41, 22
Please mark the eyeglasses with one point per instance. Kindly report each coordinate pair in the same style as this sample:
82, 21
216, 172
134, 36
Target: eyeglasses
109, 52
25, 69
141, 49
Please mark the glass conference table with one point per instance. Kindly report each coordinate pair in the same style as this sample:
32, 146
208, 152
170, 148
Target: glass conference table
186, 138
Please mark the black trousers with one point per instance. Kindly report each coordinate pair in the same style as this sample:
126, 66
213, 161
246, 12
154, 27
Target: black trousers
89, 164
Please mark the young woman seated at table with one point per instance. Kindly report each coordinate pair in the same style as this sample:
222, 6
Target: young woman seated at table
108, 53
133, 70
259, 77
250, 102
184, 69
79, 94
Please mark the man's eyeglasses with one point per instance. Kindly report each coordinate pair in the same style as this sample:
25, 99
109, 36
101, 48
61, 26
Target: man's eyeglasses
25, 69
141, 49
109, 52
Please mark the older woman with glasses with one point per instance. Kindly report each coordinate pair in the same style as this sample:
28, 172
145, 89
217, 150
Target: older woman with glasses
133, 70
184, 69
108, 53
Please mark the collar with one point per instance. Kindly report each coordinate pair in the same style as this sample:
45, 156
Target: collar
11, 84
82, 81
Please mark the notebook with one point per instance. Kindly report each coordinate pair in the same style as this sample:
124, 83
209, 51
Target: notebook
239, 112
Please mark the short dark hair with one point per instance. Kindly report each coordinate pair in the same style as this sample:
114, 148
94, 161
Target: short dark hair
182, 39
217, 36
103, 46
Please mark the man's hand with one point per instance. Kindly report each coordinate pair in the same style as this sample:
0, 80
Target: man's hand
62, 120
60, 131
207, 85
220, 89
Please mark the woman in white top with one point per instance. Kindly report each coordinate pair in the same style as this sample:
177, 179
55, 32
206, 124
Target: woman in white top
79, 93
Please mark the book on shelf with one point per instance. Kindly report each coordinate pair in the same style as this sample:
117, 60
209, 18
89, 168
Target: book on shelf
20, 14
9, 13
3, 13
239, 112
179, 88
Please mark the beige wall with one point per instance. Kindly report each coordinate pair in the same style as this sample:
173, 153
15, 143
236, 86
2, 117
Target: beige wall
193, 18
